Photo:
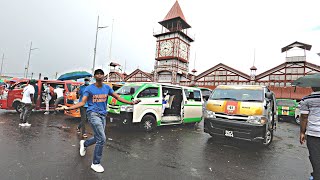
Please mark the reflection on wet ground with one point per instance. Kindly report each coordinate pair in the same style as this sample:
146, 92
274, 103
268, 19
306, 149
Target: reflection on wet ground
49, 149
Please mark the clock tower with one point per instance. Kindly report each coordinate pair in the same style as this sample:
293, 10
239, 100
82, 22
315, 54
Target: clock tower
172, 48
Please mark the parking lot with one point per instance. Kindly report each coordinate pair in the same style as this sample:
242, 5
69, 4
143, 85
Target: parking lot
49, 149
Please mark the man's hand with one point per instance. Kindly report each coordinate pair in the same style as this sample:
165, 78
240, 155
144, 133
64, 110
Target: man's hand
136, 101
302, 138
61, 107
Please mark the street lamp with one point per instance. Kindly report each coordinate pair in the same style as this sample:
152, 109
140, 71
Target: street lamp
1, 65
27, 68
95, 44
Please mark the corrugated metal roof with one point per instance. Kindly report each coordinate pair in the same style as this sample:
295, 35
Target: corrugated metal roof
174, 12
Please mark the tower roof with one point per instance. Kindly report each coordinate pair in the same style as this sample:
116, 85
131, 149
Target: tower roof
296, 44
253, 68
175, 15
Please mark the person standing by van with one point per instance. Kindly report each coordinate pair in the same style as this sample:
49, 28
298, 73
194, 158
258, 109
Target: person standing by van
27, 103
83, 110
60, 98
46, 97
96, 95
310, 128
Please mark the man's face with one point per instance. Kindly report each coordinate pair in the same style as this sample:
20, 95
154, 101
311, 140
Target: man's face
99, 76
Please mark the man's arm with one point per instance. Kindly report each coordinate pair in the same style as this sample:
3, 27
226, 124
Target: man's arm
79, 104
115, 95
303, 127
32, 99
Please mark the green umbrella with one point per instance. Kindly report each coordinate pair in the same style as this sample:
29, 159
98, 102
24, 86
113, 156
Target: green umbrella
308, 81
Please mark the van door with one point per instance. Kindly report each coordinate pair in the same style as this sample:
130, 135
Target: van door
150, 103
192, 109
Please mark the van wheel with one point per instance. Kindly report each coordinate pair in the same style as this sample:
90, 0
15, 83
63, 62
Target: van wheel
17, 106
268, 137
297, 119
148, 123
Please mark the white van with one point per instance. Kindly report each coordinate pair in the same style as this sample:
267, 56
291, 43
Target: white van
161, 104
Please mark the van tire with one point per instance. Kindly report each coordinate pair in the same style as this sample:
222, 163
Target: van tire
268, 137
17, 106
149, 123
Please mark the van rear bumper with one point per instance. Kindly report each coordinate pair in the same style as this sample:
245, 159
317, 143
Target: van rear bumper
240, 129
122, 118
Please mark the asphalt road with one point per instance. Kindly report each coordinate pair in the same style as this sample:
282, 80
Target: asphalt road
49, 149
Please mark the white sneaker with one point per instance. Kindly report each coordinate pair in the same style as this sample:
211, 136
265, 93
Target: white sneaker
27, 124
82, 148
97, 168
46, 113
22, 124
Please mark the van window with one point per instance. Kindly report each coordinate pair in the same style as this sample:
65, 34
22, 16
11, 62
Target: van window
125, 90
195, 95
149, 92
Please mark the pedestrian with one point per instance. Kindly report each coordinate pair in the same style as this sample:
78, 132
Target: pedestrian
60, 98
46, 97
83, 110
96, 95
310, 128
27, 103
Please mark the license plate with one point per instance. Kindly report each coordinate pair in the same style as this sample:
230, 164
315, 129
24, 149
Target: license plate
228, 133
111, 119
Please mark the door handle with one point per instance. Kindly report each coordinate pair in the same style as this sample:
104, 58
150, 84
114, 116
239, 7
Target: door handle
156, 101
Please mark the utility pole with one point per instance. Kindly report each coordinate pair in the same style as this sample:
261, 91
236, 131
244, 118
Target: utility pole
27, 68
95, 45
110, 52
1, 64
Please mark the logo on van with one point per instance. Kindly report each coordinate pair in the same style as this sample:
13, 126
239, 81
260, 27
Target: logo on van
113, 101
231, 107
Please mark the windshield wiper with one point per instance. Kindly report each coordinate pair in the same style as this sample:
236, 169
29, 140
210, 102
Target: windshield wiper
234, 99
252, 100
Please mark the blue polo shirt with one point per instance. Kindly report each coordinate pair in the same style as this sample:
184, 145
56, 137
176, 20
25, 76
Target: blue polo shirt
97, 98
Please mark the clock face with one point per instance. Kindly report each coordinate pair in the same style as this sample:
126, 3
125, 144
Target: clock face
166, 48
183, 51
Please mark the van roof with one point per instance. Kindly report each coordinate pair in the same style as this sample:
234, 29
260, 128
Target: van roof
253, 87
163, 84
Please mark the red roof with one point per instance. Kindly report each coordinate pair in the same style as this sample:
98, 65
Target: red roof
174, 12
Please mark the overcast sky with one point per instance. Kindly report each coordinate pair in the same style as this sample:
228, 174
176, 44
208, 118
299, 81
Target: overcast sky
225, 32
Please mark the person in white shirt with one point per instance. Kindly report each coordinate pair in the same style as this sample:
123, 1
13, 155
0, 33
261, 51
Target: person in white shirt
60, 98
46, 96
27, 103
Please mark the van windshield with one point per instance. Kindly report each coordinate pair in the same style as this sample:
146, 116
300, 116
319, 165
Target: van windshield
125, 90
285, 103
237, 95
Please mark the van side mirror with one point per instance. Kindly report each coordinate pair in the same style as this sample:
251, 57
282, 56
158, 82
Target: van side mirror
269, 95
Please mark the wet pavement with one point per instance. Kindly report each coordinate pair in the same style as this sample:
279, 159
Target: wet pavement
49, 149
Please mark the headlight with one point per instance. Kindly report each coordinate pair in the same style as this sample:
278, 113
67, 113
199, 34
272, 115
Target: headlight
257, 120
126, 108
209, 114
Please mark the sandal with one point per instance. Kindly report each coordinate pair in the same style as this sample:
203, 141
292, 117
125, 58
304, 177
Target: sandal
78, 130
84, 135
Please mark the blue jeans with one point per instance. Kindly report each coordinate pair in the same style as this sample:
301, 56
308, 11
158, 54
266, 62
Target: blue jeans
98, 124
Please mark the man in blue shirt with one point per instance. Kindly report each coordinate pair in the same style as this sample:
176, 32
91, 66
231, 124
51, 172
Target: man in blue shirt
96, 96
83, 110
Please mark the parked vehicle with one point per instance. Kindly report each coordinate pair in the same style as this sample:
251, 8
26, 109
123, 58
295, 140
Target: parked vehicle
286, 108
161, 104
11, 100
206, 92
245, 112
72, 99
